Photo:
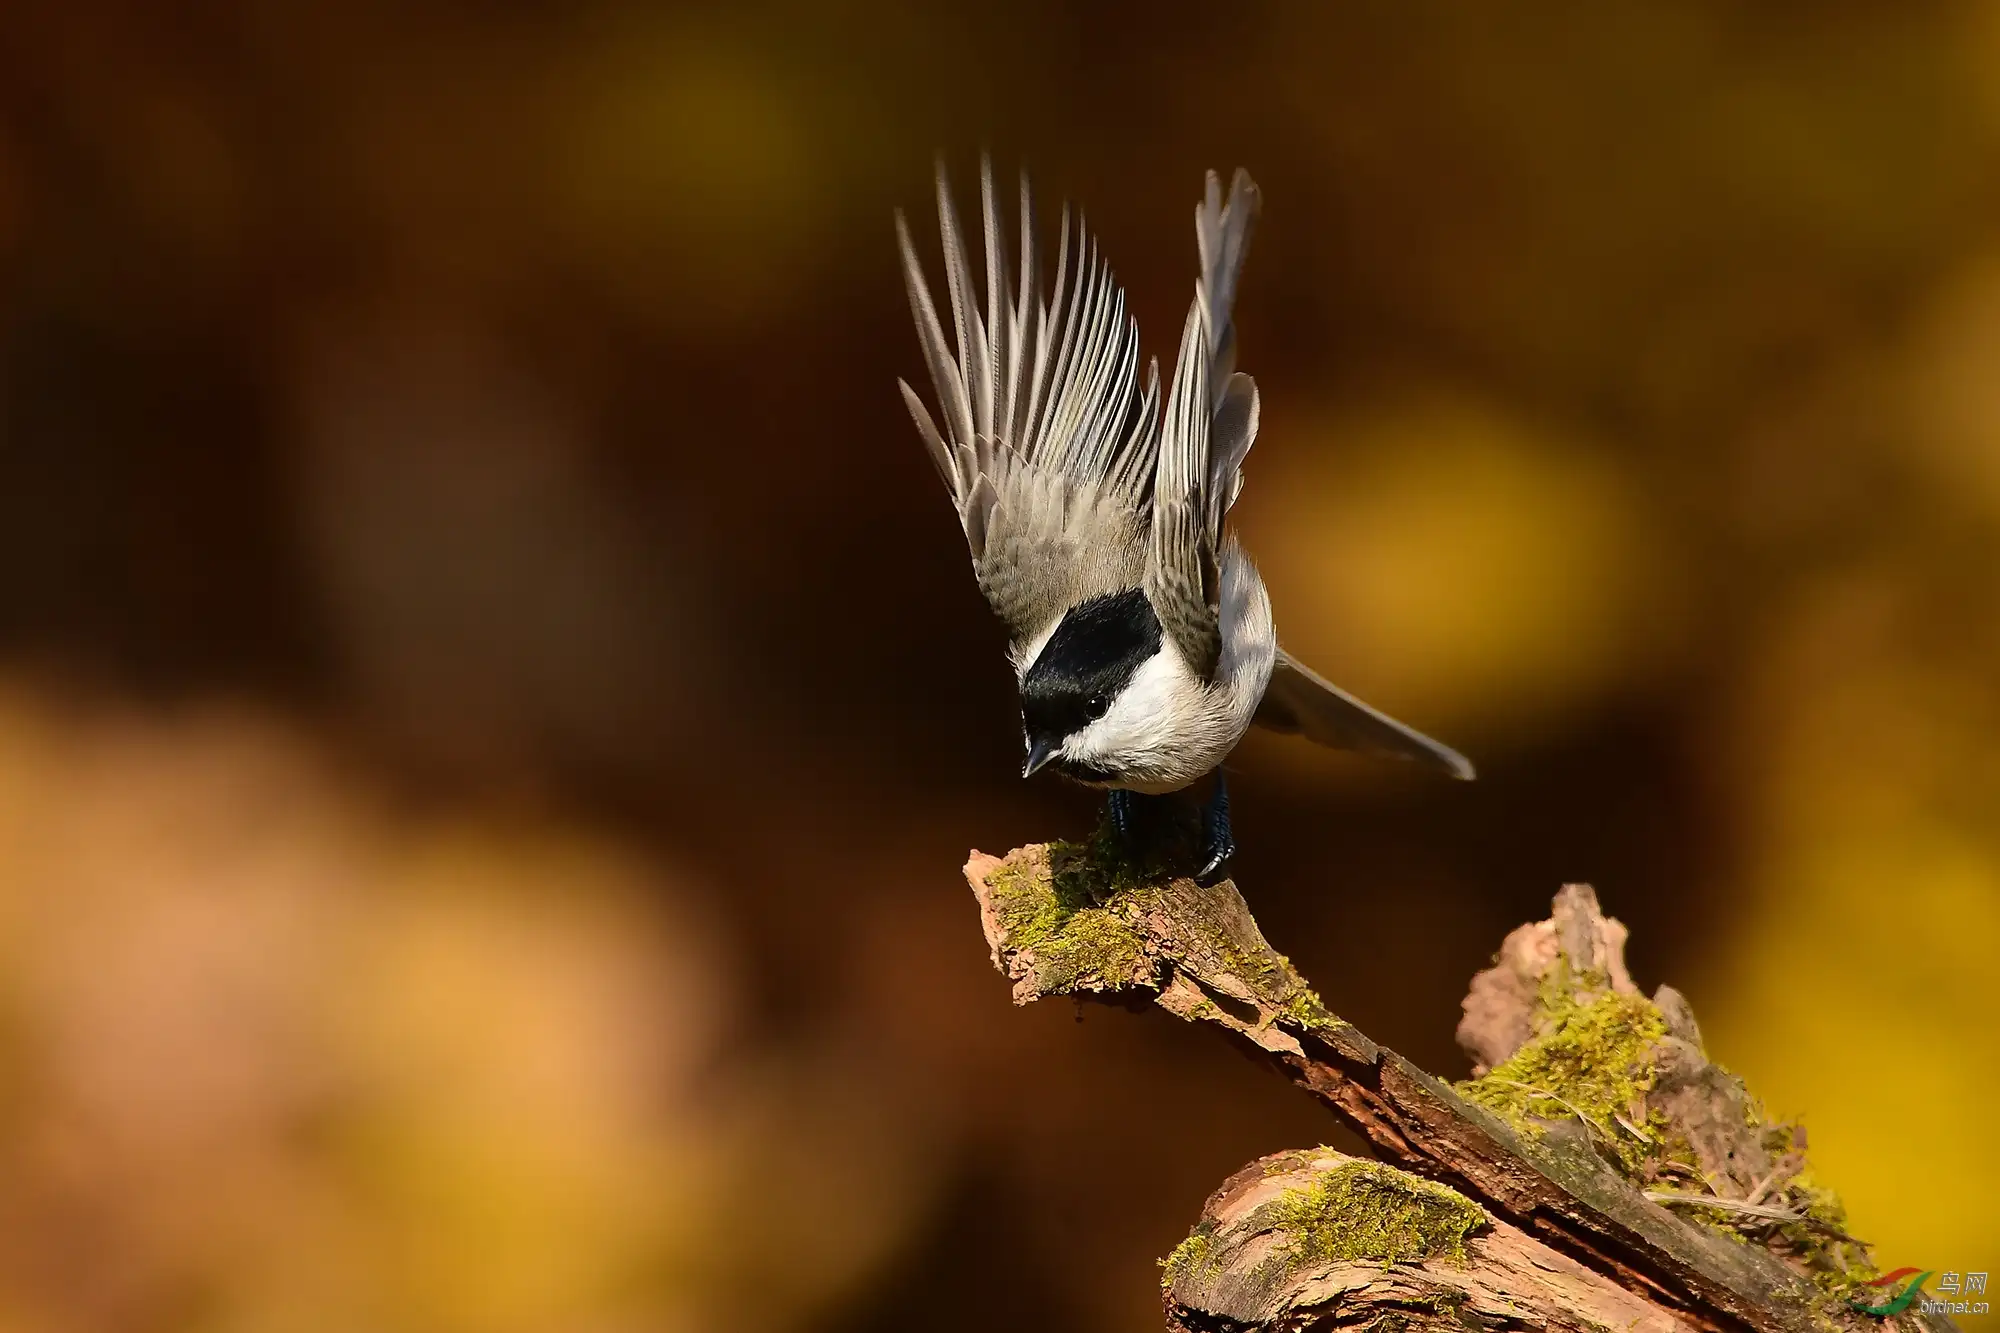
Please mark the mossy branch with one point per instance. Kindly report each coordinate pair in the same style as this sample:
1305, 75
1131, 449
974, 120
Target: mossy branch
1516, 1199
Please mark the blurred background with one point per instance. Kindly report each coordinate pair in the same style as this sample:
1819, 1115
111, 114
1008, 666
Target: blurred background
493, 703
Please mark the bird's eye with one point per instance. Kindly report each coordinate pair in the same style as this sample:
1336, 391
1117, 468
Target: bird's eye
1099, 701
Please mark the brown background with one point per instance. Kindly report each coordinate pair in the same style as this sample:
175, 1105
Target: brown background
492, 702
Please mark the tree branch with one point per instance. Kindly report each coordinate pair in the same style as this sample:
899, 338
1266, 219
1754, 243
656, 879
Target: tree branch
1590, 1094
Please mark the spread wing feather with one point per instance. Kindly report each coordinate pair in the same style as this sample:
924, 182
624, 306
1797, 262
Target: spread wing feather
1299, 701
1211, 422
1181, 577
1045, 436
1065, 479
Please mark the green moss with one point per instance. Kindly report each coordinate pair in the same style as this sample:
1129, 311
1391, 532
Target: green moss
1067, 912
1100, 869
1592, 1060
1072, 907
1821, 1203
1840, 1268
1564, 987
1591, 1056
1306, 1010
1360, 1210
1350, 1211
1190, 1259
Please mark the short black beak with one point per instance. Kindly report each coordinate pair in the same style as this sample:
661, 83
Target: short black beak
1038, 754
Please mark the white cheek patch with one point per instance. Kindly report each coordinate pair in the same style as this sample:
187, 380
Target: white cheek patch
1143, 719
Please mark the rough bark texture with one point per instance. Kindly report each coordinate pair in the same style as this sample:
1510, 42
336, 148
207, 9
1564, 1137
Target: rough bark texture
1562, 1180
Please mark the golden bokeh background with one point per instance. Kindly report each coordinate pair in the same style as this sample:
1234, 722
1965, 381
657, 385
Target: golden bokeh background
492, 704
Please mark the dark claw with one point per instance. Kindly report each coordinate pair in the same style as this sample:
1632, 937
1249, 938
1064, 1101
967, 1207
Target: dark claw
1218, 843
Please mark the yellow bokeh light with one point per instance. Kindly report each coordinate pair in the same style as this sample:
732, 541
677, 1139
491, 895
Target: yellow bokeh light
1440, 555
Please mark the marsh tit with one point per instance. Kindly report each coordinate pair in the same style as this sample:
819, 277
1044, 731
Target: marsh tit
1141, 634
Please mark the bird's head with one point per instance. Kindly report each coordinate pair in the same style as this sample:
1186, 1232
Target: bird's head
1080, 693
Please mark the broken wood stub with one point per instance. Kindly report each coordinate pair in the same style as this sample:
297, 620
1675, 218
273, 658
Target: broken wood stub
1324, 1241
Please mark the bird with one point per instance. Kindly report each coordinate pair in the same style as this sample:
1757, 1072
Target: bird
1140, 632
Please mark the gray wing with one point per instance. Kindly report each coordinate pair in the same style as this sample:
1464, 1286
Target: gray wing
1211, 422
1298, 701
1049, 437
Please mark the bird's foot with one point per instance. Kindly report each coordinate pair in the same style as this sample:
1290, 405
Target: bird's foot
1135, 822
1218, 843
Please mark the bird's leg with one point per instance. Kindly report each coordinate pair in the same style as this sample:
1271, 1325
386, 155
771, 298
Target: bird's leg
1218, 843
1123, 809
1135, 817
